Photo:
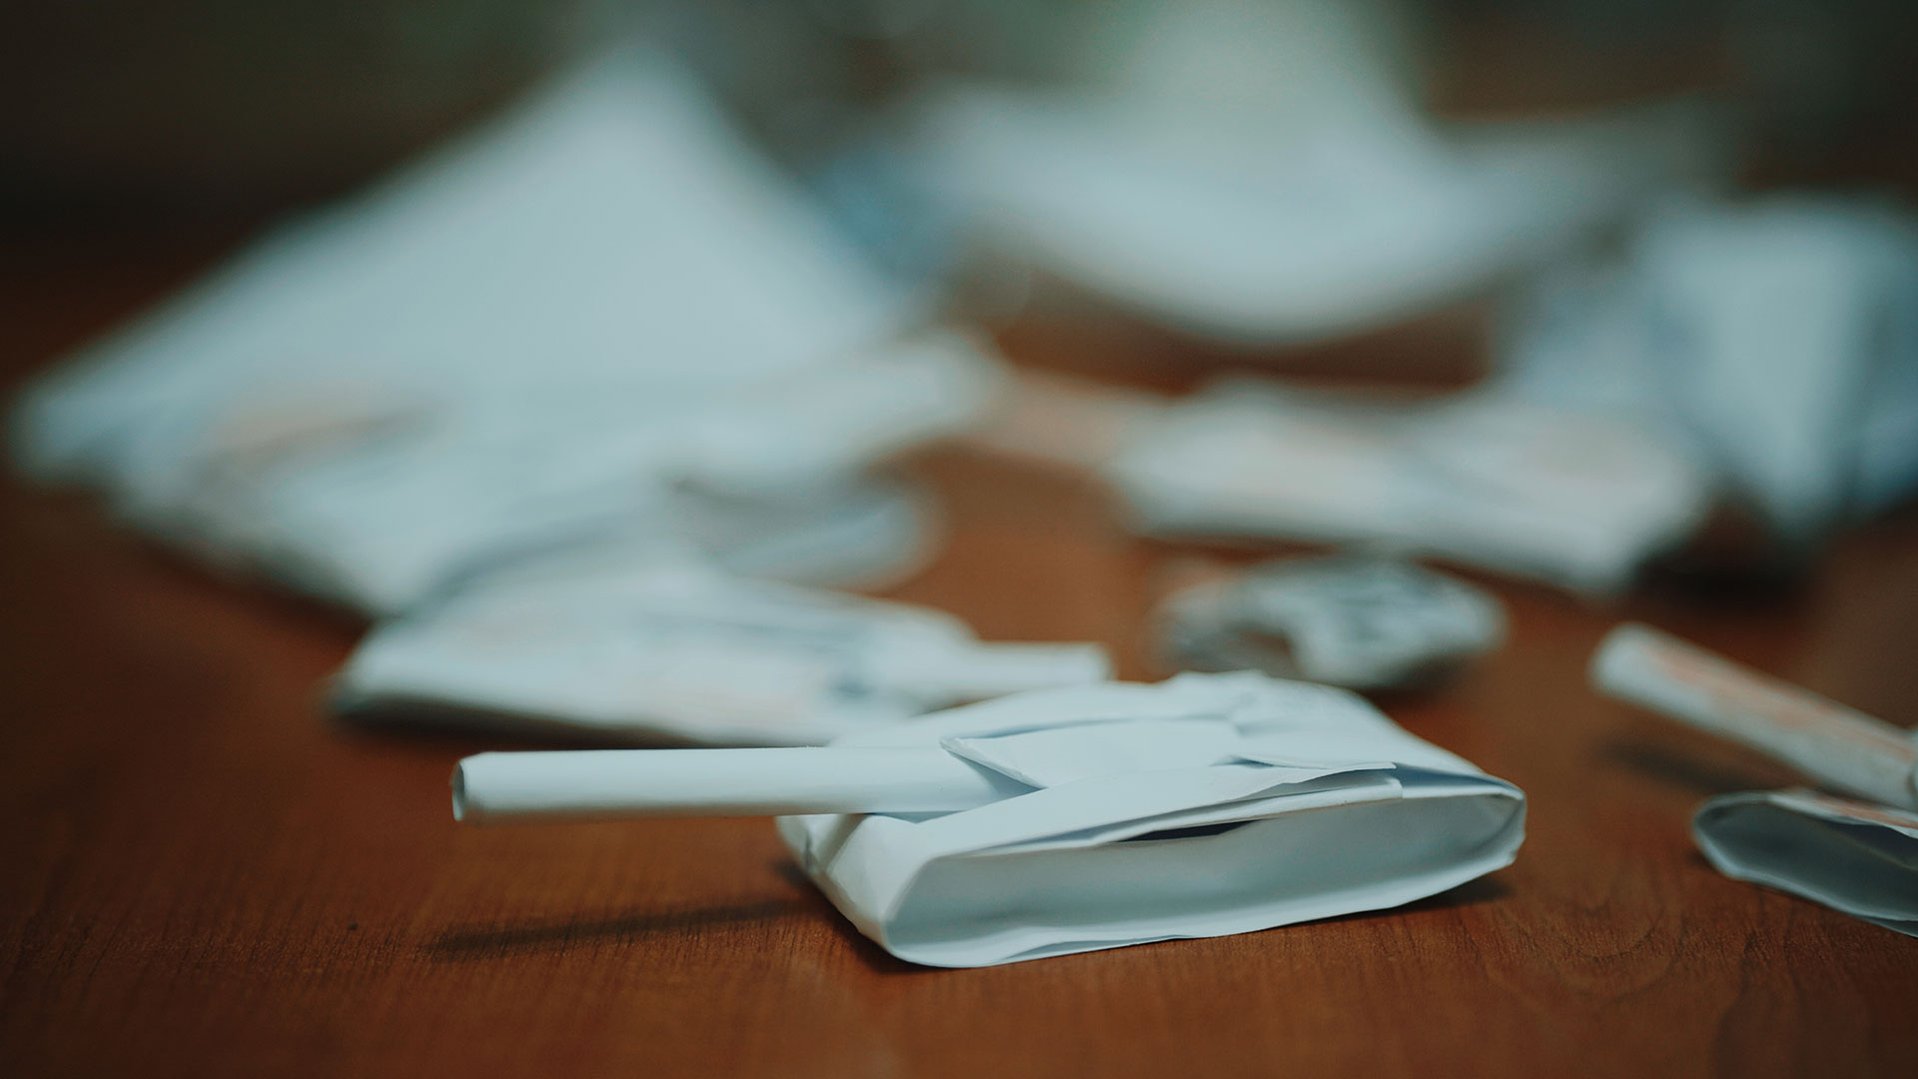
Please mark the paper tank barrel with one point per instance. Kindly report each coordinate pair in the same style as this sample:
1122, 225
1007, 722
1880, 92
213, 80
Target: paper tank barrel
616, 783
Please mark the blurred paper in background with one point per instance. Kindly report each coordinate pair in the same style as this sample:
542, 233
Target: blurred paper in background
551, 328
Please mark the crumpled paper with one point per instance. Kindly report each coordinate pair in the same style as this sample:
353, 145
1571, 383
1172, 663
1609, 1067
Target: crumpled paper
611, 646
599, 312
1264, 173
1352, 620
1773, 340
1201, 806
1579, 501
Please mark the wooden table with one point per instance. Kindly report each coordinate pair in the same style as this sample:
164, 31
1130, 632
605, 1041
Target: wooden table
204, 875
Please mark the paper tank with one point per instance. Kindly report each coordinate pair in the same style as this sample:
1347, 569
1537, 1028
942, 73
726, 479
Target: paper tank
1076, 819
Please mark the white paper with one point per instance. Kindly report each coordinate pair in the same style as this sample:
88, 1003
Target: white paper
664, 650
1574, 500
1205, 805
601, 312
1354, 621
380, 524
1260, 173
615, 784
1776, 340
610, 228
1857, 857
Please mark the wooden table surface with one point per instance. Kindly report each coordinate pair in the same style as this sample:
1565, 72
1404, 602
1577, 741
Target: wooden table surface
204, 875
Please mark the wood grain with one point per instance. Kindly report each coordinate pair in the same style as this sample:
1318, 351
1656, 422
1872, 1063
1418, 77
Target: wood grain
204, 876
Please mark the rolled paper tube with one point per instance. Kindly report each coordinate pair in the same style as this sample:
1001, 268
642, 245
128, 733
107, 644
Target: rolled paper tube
1836, 745
616, 783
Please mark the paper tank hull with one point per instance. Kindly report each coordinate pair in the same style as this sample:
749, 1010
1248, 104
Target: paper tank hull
1358, 815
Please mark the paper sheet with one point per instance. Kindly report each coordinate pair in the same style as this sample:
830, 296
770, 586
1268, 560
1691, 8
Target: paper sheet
381, 524
599, 312
645, 649
1262, 173
1576, 500
1774, 340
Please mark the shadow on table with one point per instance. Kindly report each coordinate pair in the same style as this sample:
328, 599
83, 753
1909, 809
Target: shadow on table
464, 944
877, 959
495, 941
1688, 770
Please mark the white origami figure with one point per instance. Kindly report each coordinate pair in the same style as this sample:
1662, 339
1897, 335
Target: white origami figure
612, 647
1075, 819
600, 312
1346, 620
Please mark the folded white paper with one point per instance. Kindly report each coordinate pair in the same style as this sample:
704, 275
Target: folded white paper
863, 534
602, 312
1205, 805
612, 231
1575, 500
380, 523
1260, 173
631, 648
1775, 340
1856, 857
1348, 620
